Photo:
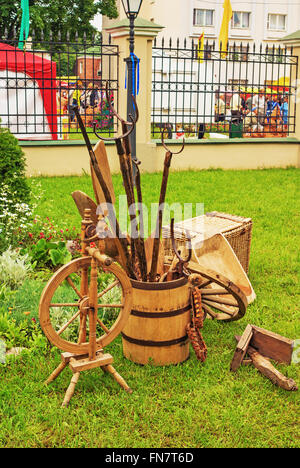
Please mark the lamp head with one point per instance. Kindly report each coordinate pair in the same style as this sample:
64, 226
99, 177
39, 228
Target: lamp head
132, 7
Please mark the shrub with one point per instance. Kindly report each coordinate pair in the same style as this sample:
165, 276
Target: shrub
15, 218
12, 166
15, 210
13, 268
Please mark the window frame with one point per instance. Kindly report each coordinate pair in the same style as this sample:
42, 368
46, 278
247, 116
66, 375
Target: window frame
277, 18
205, 10
242, 13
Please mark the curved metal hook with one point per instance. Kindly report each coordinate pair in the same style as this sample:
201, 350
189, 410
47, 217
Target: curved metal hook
181, 260
115, 113
167, 149
129, 131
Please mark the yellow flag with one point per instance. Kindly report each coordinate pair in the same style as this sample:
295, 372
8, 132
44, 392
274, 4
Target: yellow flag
227, 15
201, 48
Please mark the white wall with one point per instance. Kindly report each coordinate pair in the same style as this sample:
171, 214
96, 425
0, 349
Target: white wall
177, 17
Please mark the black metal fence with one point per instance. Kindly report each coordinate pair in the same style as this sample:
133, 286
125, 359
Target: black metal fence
201, 92
40, 83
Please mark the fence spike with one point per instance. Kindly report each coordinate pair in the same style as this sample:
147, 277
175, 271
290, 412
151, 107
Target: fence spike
170, 43
184, 44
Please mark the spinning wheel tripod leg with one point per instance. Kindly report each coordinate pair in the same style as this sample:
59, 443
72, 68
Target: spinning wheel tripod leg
71, 389
109, 368
56, 372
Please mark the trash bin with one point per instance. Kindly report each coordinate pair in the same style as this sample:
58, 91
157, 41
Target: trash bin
236, 130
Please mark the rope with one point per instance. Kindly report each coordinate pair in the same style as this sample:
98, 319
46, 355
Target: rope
136, 71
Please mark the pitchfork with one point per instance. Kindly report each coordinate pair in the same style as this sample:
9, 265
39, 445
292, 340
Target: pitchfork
163, 190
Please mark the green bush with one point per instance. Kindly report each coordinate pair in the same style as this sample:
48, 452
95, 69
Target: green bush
14, 268
12, 166
15, 209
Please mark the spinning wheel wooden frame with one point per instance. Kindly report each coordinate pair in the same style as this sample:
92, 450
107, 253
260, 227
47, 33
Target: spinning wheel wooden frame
86, 350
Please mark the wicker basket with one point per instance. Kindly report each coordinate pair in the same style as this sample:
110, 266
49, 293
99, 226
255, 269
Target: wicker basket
235, 229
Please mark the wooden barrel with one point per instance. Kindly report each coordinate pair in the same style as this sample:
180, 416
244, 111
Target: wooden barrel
156, 328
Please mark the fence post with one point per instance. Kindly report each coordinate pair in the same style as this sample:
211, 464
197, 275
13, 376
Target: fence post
145, 33
293, 41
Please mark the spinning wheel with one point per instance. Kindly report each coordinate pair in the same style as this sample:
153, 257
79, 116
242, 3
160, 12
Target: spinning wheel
83, 308
66, 301
221, 299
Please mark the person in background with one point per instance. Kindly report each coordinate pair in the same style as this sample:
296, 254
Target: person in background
236, 105
259, 101
75, 99
85, 98
272, 105
285, 112
220, 108
95, 96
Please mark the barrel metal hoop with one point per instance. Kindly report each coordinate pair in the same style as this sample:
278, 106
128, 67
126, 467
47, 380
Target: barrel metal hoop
170, 313
159, 286
157, 344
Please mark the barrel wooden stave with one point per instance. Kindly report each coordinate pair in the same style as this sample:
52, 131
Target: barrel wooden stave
156, 329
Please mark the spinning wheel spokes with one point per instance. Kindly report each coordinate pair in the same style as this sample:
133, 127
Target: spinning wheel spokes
65, 310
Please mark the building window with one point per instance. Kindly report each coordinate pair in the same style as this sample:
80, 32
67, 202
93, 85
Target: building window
203, 17
240, 20
276, 22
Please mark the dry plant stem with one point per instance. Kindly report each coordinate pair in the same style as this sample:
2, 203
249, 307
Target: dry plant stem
167, 163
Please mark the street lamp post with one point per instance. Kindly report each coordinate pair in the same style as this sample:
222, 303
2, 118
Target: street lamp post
131, 8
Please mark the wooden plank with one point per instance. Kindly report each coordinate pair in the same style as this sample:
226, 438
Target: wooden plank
85, 364
272, 345
241, 348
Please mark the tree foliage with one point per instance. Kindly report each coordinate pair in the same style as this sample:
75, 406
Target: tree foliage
55, 15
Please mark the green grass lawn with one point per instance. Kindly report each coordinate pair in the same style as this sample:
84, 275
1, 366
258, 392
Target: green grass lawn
188, 405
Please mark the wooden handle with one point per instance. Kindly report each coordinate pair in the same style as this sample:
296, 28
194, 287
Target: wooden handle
266, 368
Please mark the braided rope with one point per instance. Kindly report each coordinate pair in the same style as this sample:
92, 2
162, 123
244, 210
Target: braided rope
193, 328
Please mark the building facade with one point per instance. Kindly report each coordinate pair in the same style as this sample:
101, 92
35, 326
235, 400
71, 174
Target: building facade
254, 21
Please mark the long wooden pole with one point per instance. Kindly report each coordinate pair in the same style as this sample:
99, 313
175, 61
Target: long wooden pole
121, 240
163, 190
